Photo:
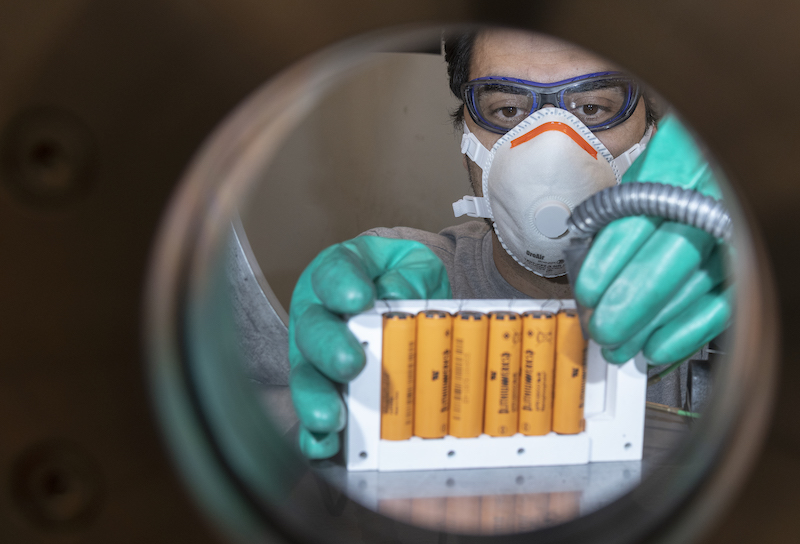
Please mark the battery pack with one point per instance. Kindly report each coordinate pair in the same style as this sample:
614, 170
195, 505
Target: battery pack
487, 383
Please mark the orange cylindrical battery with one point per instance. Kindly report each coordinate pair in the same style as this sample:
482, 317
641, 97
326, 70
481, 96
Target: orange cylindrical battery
468, 379
536, 383
432, 382
570, 374
397, 376
502, 374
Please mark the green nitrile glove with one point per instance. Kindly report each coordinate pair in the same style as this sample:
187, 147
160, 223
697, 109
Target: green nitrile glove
346, 279
711, 274
641, 273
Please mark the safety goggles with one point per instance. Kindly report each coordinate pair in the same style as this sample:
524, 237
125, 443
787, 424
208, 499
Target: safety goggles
601, 100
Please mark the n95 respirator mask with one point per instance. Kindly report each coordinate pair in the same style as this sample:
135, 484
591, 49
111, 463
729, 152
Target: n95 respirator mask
533, 178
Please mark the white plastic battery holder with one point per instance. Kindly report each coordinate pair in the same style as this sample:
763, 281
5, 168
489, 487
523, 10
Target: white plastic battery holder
614, 407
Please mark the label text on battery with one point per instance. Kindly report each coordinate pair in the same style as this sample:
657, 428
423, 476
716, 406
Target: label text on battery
410, 382
445, 381
526, 396
459, 376
505, 368
388, 406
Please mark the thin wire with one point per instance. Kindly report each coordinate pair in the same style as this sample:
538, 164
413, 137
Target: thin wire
670, 369
672, 410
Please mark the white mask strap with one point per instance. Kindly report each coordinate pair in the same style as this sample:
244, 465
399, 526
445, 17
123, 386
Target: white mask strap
625, 160
473, 148
473, 206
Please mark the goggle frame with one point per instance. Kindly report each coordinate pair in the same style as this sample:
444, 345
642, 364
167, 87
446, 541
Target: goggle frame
552, 93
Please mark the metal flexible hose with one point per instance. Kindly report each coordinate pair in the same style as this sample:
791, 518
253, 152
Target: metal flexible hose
653, 199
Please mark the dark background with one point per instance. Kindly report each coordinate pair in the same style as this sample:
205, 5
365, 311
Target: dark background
103, 103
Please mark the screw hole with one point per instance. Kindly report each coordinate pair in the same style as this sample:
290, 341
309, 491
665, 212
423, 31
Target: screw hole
451, 453
450, 482
55, 483
364, 344
363, 455
628, 446
520, 451
45, 153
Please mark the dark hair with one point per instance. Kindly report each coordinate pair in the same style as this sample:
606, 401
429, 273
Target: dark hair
458, 55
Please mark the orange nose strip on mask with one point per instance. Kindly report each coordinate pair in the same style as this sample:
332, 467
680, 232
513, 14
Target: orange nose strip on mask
560, 127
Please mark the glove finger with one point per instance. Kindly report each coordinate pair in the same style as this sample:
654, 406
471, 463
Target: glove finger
324, 340
701, 282
316, 401
406, 269
303, 297
611, 250
318, 445
342, 282
690, 330
657, 271
416, 273
415, 282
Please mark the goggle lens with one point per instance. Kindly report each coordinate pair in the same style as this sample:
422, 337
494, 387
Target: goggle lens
503, 106
597, 103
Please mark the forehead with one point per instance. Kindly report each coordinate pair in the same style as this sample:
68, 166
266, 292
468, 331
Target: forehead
530, 56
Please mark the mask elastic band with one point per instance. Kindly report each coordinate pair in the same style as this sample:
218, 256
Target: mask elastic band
473, 206
625, 160
473, 148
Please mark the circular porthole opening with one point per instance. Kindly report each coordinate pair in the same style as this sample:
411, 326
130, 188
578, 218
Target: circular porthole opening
360, 136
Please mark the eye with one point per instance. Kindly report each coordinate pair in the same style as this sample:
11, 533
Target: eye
508, 111
503, 105
590, 109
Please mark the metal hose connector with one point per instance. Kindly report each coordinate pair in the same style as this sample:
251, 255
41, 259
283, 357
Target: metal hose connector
654, 199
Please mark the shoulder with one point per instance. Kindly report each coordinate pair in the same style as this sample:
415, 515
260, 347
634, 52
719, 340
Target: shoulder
471, 230
443, 247
443, 241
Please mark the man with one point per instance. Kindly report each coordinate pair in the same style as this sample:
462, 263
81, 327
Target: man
519, 88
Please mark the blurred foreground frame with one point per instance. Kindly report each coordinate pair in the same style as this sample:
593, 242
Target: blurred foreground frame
151, 80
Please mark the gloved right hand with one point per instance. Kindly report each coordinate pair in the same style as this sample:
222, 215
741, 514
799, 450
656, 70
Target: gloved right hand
658, 286
346, 279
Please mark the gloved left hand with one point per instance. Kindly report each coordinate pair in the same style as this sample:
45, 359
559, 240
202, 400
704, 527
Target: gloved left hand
346, 279
657, 286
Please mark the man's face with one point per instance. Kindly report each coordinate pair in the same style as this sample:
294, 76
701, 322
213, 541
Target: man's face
543, 59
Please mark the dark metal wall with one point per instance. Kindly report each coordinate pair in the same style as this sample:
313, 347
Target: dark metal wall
102, 104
